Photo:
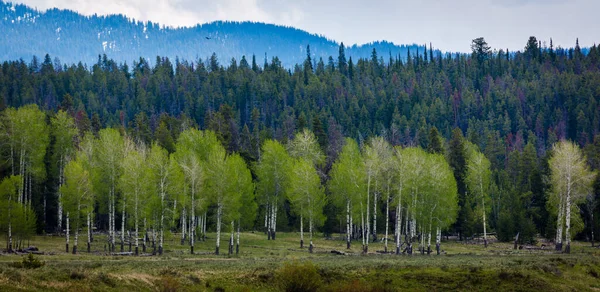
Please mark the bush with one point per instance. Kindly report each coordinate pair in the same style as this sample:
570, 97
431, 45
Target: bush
28, 262
299, 277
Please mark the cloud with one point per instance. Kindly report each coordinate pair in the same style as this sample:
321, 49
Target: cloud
525, 2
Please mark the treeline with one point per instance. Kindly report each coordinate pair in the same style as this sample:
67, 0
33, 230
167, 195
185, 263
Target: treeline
107, 179
511, 106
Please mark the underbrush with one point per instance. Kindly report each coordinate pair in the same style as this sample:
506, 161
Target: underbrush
28, 262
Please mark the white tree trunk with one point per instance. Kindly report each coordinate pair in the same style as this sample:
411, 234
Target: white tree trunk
268, 221
483, 211
123, 225
375, 199
348, 224
266, 216
183, 225
67, 232
368, 215
398, 229
77, 224
362, 226
60, 183
310, 232
162, 215
301, 231
192, 232
231, 238
145, 235
75, 241
351, 224
559, 224
219, 209
274, 221
429, 237
237, 246
387, 221
438, 238
89, 230
568, 216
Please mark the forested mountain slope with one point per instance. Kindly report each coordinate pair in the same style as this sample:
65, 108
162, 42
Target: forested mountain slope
72, 38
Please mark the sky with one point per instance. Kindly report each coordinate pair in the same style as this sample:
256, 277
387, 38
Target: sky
449, 24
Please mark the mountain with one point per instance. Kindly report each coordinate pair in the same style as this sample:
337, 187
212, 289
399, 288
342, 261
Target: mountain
72, 37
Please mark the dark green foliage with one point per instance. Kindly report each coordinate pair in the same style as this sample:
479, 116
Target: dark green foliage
513, 219
465, 224
320, 133
436, 143
141, 130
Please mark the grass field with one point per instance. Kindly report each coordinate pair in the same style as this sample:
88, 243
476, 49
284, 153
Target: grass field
264, 265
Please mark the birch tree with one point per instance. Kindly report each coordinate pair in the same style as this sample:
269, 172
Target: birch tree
160, 170
385, 177
571, 181
133, 184
440, 198
307, 196
108, 156
372, 163
271, 173
25, 139
240, 199
401, 168
189, 160
416, 158
478, 183
77, 197
9, 207
217, 180
63, 131
347, 182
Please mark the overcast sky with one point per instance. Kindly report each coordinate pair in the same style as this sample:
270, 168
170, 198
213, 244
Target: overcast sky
449, 25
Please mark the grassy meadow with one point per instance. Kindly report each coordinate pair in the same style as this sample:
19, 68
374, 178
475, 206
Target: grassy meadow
264, 265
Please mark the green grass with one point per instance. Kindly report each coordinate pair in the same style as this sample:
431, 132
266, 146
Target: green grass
271, 265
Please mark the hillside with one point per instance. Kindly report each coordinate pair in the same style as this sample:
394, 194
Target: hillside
72, 37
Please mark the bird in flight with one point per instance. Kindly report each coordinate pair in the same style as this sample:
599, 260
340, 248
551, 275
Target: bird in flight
207, 38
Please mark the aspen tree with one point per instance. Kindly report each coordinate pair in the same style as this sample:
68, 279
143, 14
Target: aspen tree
571, 181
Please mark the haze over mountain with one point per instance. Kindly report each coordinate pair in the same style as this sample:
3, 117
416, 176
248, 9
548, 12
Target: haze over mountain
72, 37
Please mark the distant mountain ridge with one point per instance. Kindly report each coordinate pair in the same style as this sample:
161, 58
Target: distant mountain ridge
72, 37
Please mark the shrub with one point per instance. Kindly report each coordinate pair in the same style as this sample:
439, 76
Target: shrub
28, 262
299, 277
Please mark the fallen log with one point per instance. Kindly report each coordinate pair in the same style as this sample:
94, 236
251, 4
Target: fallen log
338, 252
125, 253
